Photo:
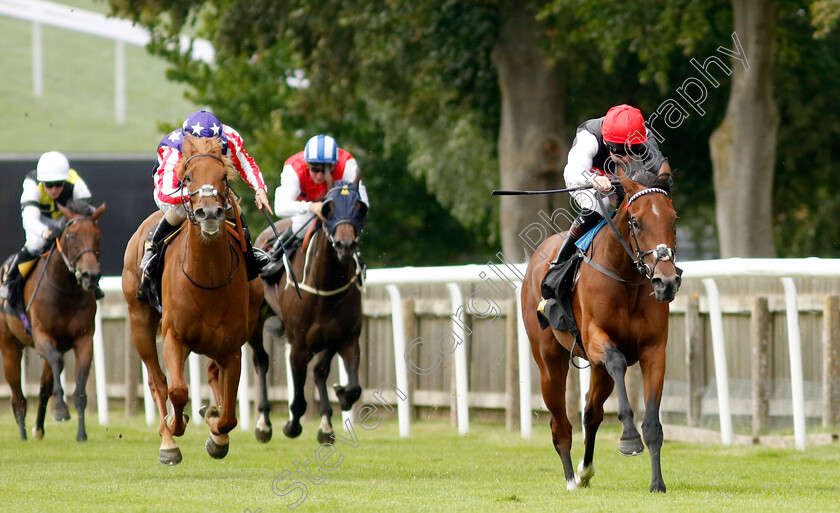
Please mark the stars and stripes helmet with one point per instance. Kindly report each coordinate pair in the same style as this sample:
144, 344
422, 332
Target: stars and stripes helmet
203, 123
321, 149
52, 167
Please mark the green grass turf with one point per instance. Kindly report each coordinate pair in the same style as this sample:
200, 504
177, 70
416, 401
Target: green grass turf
433, 470
76, 112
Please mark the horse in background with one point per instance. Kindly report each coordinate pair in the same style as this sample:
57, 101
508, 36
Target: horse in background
327, 319
61, 308
207, 304
623, 319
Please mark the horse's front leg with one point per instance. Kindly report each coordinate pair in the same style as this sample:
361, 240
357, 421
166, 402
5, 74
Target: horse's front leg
348, 394
262, 431
616, 365
44, 393
55, 360
222, 421
83, 350
174, 356
320, 373
299, 358
652, 362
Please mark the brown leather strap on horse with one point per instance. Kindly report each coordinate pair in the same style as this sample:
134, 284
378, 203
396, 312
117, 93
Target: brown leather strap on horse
308, 236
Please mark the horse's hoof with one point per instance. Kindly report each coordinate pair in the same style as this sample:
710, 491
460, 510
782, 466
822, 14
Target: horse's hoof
202, 411
215, 450
631, 447
170, 456
584, 475
262, 435
657, 487
324, 437
81, 437
571, 485
61, 413
37, 434
292, 429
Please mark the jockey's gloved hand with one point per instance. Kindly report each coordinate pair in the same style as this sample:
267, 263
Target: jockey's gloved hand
55, 226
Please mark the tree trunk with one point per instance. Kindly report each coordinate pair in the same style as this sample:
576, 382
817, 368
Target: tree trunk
743, 147
532, 142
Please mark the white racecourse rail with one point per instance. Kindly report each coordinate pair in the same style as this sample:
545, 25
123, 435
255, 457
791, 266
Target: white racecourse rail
452, 276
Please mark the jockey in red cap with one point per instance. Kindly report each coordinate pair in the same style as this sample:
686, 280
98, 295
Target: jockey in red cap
600, 144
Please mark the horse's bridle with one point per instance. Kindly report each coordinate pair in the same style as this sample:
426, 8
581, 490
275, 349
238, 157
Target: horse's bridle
71, 262
663, 252
205, 190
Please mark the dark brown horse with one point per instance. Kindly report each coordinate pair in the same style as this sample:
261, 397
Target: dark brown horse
208, 305
328, 319
623, 319
61, 314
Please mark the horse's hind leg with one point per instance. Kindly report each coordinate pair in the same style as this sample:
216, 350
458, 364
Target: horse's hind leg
616, 365
320, 373
350, 393
554, 368
84, 354
653, 370
262, 432
12, 355
600, 387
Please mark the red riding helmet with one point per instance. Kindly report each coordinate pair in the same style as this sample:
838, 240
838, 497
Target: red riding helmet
624, 124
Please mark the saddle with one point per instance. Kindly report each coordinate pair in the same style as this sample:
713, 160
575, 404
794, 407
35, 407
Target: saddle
15, 305
557, 289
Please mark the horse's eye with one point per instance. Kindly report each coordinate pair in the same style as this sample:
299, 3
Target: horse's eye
187, 179
634, 223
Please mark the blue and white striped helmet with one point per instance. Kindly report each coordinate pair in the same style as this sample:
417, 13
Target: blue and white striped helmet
321, 149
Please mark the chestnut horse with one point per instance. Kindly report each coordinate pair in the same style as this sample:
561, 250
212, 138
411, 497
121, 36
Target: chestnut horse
62, 307
622, 319
327, 319
208, 306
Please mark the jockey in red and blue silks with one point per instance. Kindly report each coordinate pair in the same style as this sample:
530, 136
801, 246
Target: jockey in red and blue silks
600, 144
304, 183
169, 195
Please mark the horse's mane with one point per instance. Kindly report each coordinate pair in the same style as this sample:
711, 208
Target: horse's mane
80, 207
211, 145
650, 180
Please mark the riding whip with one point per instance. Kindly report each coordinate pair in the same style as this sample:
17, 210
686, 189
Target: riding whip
286, 260
549, 191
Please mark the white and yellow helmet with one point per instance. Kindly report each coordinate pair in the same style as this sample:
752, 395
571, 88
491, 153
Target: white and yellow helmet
53, 166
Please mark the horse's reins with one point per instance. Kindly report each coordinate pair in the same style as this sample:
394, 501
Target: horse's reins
357, 277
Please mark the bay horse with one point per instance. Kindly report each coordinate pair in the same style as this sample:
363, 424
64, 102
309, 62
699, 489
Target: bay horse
327, 319
62, 308
622, 319
207, 304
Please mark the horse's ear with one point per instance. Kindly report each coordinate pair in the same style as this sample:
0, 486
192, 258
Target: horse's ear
66, 212
361, 209
98, 212
328, 209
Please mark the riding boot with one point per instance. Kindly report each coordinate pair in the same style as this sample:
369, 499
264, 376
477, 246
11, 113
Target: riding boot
255, 258
13, 275
147, 264
276, 266
584, 222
